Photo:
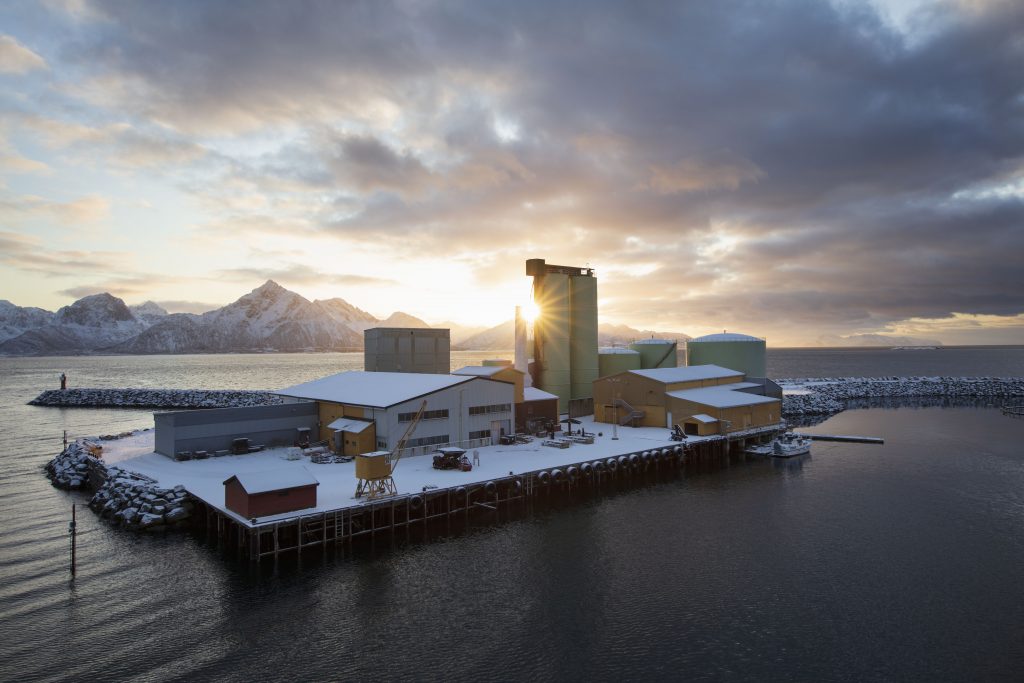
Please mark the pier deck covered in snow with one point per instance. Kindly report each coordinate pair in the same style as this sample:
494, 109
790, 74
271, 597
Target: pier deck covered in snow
506, 473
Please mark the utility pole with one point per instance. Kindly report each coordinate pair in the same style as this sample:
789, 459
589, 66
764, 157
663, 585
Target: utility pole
73, 532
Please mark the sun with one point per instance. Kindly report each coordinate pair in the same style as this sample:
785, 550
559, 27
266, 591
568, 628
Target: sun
530, 311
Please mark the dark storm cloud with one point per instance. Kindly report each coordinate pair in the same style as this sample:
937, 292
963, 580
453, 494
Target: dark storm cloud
830, 146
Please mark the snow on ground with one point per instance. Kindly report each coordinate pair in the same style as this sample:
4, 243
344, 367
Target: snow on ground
204, 479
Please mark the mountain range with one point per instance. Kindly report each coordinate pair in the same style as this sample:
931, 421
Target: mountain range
270, 318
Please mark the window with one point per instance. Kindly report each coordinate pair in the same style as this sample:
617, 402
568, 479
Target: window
482, 434
496, 408
427, 415
382, 444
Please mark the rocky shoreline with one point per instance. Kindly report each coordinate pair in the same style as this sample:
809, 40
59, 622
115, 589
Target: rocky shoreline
154, 398
829, 395
131, 500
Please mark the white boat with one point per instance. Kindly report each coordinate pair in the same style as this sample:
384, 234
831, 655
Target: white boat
785, 445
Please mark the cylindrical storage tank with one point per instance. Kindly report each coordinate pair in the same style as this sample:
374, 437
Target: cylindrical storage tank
583, 335
739, 352
655, 353
497, 363
613, 360
551, 336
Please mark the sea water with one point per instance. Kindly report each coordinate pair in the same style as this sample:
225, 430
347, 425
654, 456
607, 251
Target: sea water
860, 562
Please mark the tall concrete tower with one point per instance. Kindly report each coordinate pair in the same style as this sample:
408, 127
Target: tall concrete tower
565, 332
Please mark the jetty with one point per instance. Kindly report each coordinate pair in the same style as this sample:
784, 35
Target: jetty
848, 439
153, 398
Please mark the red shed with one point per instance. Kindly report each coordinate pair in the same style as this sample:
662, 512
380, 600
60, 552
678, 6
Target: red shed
259, 494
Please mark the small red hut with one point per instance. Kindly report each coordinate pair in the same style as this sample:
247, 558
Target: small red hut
260, 494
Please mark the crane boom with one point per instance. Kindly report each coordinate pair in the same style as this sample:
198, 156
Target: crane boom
396, 454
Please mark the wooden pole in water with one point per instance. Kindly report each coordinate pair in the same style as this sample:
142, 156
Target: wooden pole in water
72, 530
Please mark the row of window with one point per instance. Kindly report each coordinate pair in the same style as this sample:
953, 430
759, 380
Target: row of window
427, 415
427, 441
496, 408
482, 434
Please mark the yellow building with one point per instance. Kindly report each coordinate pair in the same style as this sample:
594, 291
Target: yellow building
664, 397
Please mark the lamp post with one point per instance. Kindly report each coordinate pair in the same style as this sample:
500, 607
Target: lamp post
615, 409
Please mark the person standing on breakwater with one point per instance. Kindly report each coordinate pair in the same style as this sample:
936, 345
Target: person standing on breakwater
63, 381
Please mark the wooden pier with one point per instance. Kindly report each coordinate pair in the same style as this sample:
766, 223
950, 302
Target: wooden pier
442, 511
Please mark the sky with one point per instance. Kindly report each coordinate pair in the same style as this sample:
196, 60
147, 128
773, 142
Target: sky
800, 171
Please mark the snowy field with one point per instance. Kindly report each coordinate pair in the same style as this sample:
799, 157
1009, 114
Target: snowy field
204, 479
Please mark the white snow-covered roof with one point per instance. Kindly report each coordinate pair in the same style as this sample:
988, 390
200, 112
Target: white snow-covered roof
274, 480
652, 340
725, 337
687, 373
480, 370
374, 389
612, 350
535, 394
704, 417
347, 424
721, 397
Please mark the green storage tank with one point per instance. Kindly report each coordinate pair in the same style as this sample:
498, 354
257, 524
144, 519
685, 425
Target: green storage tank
583, 335
612, 361
655, 353
730, 350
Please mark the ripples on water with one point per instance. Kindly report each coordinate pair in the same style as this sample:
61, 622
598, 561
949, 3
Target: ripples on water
894, 562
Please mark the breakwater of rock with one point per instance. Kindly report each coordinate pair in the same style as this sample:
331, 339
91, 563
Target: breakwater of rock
154, 398
132, 500
829, 395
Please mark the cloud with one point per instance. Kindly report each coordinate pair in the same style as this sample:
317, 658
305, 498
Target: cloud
15, 58
299, 274
13, 162
794, 165
691, 175
88, 209
123, 143
27, 253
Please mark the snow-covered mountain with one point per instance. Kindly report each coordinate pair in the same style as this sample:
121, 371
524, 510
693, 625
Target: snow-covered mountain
502, 337
399, 319
149, 312
874, 340
16, 320
91, 323
270, 318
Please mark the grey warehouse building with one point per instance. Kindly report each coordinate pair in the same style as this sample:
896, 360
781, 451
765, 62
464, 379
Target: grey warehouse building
216, 429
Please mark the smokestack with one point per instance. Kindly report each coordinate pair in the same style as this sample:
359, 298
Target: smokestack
521, 359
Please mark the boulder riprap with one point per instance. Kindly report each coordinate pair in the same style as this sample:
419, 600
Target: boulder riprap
136, 502
154, 398
828, 395
74, 467
132, 500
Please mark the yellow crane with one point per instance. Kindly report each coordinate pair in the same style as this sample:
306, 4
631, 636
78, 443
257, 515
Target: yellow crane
375, 470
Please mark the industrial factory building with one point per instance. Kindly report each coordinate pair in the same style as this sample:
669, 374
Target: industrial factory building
407, 349
703, 399
535, 410
361, 412
565, 333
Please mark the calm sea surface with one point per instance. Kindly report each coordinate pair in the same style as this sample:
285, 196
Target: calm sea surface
900, 562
